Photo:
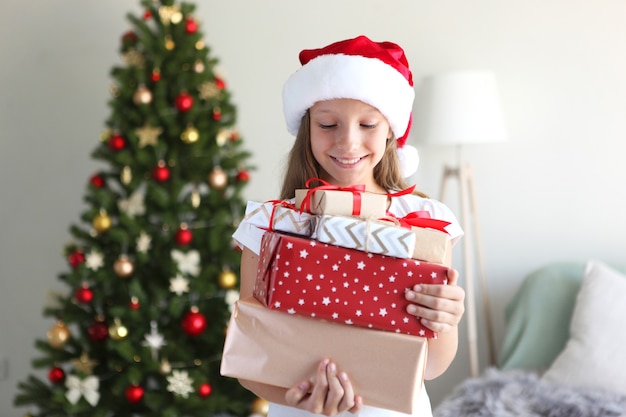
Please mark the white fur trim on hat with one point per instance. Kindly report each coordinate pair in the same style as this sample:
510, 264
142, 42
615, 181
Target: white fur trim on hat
349, 76
409, 160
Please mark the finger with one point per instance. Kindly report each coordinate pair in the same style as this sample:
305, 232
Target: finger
358, 404
453, 276
317, 399
297, 393
348, 400
335, 389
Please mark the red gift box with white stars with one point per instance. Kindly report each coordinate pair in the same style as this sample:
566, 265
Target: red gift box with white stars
304, 276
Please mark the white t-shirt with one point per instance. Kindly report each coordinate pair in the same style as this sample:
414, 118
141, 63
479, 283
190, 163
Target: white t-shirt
250, 236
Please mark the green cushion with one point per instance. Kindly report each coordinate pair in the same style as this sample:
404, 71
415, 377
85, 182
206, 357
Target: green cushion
538, 317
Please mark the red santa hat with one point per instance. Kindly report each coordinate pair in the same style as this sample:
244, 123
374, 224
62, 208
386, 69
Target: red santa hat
376, 73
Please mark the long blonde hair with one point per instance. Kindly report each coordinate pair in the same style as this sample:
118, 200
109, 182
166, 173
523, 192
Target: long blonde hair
301, 165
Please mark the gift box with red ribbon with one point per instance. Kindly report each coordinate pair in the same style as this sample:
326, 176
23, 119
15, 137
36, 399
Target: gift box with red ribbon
279, 215
418, 237
307, 277
345, 201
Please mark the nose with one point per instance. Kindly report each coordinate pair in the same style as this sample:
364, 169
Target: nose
347, 139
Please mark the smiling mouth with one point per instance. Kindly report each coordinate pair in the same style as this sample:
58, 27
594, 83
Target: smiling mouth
348, 161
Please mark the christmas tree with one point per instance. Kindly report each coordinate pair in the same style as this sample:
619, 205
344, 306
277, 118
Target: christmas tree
152, 270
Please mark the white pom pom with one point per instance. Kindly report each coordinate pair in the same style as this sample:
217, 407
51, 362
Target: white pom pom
409, 160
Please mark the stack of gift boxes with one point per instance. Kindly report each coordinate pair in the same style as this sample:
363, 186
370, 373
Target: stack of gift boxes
332, 273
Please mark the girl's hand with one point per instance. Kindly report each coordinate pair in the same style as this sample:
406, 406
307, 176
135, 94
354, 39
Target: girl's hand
331, 393
439, 307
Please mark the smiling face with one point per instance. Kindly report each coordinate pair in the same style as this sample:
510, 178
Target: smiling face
348, 139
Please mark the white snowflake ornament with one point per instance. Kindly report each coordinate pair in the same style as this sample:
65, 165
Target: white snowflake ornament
180, 383
94, 260
179, 285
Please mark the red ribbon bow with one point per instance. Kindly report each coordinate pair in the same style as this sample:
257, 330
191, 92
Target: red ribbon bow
422, 219
276, 203
356, 191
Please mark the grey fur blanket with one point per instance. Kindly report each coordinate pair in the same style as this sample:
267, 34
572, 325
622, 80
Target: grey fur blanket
518, 393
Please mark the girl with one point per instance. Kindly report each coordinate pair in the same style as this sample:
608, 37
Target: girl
349, 106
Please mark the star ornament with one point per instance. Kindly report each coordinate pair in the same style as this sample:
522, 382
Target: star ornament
84, 364
148, 135
187, 263
208, 90
154, 340
134, 58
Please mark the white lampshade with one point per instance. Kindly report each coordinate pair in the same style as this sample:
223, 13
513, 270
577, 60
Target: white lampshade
458, 108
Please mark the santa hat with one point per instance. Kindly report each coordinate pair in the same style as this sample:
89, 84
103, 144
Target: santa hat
376, 73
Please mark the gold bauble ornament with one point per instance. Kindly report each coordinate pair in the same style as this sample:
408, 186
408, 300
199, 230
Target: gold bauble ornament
142, 95
169, 43
117, 330
102, 222
227, 279
260, 406
123, 267
217, 178
58, 335
190, 135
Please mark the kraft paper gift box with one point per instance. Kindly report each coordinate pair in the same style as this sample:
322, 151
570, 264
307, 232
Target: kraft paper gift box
268, 346
277, 215
339, 202
307, 277
383, 237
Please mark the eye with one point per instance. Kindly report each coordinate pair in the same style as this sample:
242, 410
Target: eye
326, 126
369, 125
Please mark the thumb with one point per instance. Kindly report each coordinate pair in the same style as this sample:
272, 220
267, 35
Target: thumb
453, 276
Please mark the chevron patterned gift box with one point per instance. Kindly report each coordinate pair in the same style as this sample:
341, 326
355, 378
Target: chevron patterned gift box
279, 215
383, 237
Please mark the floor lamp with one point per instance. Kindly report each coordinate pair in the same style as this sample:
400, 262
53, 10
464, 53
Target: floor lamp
461, 108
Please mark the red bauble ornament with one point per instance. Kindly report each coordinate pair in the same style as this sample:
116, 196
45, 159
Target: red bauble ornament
217, 114
183, 236
76, 258
204, 390
147, 15
219, 83
184, 102
134, 393
129, 38
117, 143
191, 26
97, 181
161, 172
243, 176
194, 323
156, 75
56, 375
83, 294
98, 331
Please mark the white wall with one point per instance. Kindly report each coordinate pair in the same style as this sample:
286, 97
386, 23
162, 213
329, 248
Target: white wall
553, 192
